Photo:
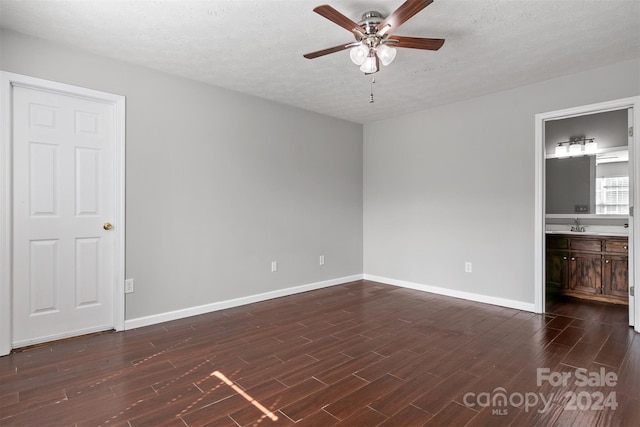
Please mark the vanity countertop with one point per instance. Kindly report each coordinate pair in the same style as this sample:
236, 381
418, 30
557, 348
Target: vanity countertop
590, 230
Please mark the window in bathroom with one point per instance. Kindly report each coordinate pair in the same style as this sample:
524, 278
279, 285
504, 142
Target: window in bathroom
612, 195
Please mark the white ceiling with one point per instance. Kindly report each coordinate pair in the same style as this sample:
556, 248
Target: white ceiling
256, 47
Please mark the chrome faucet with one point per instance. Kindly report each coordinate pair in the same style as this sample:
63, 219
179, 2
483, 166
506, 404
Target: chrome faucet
577, 227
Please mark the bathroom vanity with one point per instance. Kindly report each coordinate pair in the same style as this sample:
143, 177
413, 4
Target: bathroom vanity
592, 266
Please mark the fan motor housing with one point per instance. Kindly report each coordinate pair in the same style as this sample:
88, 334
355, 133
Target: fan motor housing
370, 21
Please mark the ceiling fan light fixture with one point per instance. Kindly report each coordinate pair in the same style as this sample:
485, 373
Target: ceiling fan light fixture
372, 34
358, 54
370, 64
386, 54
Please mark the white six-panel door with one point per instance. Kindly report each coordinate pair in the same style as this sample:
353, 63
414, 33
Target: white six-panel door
63, 203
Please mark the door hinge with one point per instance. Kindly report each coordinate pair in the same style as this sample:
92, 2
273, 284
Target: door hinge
630, 210
631, 131
632, 291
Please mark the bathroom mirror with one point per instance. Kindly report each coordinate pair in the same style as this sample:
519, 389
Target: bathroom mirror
587, 185
592, 180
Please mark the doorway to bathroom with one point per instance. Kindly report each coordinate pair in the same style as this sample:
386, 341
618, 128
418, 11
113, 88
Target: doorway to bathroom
586, 185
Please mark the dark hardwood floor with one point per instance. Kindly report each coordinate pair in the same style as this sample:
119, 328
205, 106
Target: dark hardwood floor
358, 354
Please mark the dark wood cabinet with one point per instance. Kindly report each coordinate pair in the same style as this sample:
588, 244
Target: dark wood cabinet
615, 276
588, 267
557, 264
585, 273
557, 270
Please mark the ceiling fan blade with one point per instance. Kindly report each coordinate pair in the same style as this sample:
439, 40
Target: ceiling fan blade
336, 17
329, 50
402, 14
415, 42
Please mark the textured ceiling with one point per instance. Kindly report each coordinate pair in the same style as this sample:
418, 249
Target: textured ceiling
256, 47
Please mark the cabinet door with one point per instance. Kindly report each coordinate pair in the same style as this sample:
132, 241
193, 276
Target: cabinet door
557, 272
616, 276
585, 273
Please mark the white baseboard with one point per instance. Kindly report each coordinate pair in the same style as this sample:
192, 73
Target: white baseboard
503, 302
221, 305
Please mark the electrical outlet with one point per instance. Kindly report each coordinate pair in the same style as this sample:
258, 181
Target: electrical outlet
468, 268
321, 259
274, 266
128, 286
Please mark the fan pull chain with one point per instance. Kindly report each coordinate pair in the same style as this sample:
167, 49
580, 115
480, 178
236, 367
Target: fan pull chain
371, 101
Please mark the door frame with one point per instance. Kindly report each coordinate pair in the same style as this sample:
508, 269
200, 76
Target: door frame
634, 221
7, 82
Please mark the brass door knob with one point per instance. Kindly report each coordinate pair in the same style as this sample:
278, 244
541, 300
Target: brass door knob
107, 226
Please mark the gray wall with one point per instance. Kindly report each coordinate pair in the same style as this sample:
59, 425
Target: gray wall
609, 129
456, 183
218, 184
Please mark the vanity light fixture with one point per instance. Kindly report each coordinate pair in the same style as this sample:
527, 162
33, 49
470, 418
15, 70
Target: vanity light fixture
561, 150
576, 147
590, 146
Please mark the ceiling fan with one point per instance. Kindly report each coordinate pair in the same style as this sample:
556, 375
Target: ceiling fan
374, 43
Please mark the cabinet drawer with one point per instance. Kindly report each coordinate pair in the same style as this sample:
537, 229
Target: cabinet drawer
586, 245
554, 242
619, 246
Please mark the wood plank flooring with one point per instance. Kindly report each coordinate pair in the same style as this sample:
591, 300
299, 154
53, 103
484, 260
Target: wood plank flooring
358, 354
